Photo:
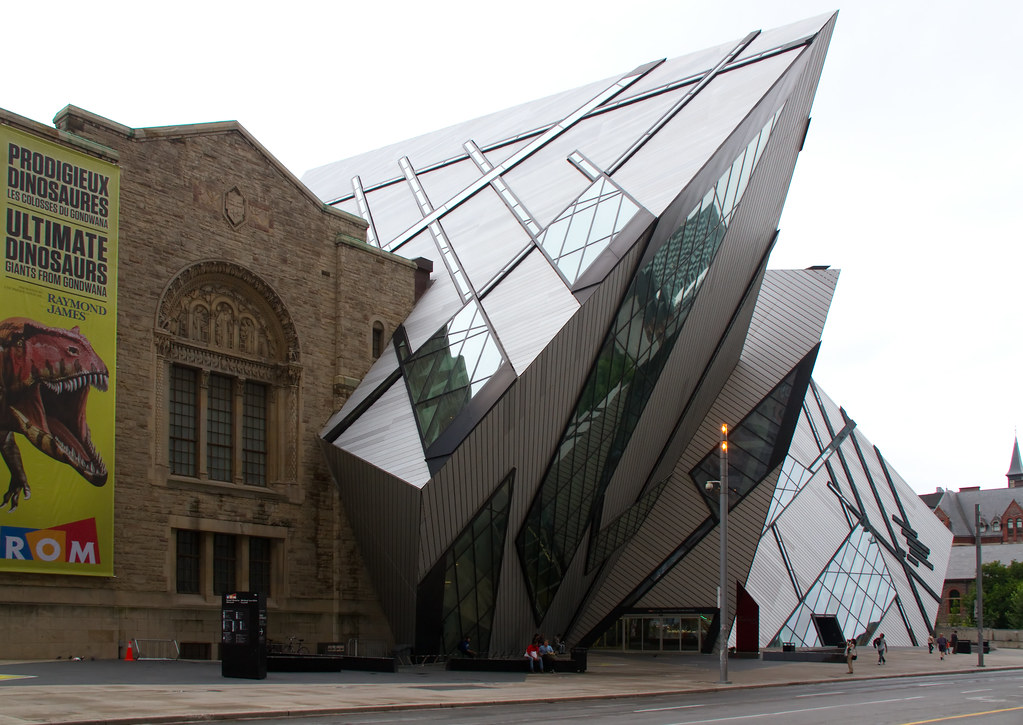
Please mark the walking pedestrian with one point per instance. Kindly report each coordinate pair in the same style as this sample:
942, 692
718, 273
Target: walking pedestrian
953, 643
930, 644
942, 645
882, 647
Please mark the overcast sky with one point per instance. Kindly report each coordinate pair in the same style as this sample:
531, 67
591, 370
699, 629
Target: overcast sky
909, 181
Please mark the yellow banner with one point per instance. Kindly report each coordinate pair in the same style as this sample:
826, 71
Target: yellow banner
58, 338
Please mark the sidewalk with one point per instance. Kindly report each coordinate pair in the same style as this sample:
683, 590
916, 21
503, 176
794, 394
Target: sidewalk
188, 691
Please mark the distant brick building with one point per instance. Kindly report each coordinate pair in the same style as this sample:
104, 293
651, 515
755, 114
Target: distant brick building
1001, 531
247, 312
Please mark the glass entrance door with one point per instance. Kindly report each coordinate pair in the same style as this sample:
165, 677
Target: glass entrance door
658, 633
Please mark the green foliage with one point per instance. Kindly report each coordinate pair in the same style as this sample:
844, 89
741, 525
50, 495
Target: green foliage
1003, 596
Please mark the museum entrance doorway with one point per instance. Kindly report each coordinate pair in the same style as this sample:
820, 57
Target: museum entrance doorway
661, 632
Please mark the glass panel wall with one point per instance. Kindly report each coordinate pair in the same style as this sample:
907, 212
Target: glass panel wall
633, 354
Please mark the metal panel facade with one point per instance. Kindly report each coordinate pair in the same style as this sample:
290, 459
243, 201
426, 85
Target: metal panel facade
621, 350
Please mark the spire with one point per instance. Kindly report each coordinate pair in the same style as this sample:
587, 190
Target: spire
1015, 474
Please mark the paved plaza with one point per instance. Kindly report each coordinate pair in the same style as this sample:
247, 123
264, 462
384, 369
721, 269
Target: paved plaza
107, 691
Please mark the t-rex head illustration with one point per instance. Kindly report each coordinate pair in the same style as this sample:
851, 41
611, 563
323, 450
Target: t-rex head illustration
45, 375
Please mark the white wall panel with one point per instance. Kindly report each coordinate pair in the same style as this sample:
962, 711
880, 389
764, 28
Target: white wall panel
682, 147
528, 308
386, 364
388, 438
812, 529
485, 235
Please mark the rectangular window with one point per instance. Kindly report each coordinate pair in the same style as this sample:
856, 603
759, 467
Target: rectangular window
184, 428
254, 434
259, 565
219, 420
189, 560
225, 559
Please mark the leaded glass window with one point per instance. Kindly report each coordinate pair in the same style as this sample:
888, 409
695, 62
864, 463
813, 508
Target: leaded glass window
259, 565
225, 559
254, 449
218, 402
184, 424
219, 435
188, 560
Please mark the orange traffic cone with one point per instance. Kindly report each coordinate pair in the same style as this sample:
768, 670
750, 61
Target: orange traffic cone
129, 656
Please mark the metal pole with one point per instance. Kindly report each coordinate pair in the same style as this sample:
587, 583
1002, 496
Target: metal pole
980, 591
723, 564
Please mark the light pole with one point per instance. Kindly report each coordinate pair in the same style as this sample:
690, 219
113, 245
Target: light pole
723, 560
979, 603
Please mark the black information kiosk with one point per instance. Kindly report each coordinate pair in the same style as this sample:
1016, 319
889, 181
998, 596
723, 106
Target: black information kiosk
243, 635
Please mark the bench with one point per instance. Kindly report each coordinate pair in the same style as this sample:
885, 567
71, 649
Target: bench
303, 663
515, 664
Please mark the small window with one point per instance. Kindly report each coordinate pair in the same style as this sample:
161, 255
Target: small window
225, 557
189, 560
259, 565
995, 524
1009, 524
378, 340
1019, 523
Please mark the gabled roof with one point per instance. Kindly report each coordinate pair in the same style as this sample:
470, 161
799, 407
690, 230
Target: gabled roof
960, 506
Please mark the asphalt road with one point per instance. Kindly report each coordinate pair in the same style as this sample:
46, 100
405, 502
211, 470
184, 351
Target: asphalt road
994, 698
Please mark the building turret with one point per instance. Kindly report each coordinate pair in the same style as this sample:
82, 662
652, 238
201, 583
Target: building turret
1015, 474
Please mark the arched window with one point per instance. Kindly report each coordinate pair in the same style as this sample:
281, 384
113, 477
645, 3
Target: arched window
954, 601
995, 524
230, 375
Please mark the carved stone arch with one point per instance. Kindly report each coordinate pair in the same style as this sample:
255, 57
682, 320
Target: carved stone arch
222, 281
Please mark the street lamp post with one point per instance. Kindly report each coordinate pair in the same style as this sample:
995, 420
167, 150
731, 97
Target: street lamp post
723, 563
722, 486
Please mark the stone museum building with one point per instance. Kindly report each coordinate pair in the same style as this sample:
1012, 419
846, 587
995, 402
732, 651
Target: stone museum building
247, 312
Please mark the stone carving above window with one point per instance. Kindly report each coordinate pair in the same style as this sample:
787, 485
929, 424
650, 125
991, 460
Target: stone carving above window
234, 207
220, 315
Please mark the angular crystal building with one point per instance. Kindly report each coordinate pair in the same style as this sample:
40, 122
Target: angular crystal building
529, 454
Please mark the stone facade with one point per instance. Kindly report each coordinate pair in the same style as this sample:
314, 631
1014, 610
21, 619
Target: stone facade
228, 267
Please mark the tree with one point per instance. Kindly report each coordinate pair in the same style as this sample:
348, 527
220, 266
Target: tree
1003, 596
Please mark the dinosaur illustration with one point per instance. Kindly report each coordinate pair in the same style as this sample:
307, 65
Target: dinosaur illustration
45, 375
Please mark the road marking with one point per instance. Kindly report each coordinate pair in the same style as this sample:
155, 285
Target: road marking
795, 712
985, 689
958, 717
659, 709
16, 677
823, 694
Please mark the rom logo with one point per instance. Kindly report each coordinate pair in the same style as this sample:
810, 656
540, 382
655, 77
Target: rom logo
74, 543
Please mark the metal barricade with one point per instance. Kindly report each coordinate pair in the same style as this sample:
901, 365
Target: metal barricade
156, 649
